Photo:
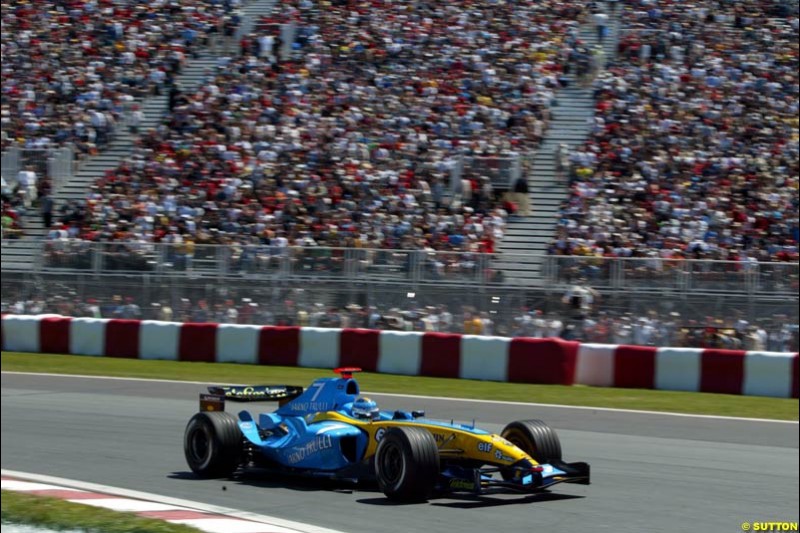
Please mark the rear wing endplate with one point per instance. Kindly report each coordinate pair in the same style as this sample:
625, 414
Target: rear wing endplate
214, 400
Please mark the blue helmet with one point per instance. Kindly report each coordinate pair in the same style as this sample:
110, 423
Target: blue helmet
365, 408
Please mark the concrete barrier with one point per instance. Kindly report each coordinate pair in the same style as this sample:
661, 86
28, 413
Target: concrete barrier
87, 336
401, 352
159, 340
484, 357
519, 360
237, 343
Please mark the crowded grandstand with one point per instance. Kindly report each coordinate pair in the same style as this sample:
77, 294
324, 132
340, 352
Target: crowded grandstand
693, 151
370, 142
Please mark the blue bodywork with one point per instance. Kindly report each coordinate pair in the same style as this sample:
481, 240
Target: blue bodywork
285, 437
290, 440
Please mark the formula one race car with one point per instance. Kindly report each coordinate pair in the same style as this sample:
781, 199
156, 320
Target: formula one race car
329, 430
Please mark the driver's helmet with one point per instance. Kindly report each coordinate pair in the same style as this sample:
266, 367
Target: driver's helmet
365, 408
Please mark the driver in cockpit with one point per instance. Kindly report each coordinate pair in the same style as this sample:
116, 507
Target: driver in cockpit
365, 409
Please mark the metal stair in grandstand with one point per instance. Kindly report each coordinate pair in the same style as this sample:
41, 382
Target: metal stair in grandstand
250, 13
154, 109
18, 254
524, 245
22, 253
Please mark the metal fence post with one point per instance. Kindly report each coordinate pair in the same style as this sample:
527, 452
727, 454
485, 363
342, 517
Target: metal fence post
484, 272
38, 263
686, 273
456, 174
752, 279
285, 259
97, 259
11, 164
221, 257
555, 267
617, 273
414, 270
516, 170
52, 170
350, 264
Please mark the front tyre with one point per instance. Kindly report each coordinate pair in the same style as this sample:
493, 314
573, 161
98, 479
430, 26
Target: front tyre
535, 438
212, 444
407, 464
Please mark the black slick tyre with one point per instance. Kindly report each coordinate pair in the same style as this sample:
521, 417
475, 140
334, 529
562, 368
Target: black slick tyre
535, 438
212, 444
407, 464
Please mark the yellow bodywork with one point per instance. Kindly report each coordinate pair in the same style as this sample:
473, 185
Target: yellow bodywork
454, 443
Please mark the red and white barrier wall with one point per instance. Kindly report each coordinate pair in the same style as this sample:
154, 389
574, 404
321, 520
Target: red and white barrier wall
523, 360
688, 369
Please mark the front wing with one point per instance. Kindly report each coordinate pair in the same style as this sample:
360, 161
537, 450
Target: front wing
486, 480
460, 479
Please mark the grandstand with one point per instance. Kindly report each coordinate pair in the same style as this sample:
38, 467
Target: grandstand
178, 55
434, 200
528, 239
284, 146
694, 148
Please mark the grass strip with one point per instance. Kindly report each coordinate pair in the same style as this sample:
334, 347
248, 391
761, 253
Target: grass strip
52, 513
650, 400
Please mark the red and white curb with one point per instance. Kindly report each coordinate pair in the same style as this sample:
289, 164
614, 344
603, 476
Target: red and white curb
210, 518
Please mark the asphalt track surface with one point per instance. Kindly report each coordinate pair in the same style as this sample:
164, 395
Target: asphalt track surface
650, 472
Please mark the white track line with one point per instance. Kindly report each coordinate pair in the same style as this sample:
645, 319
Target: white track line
589, 408
167, 500
443, 399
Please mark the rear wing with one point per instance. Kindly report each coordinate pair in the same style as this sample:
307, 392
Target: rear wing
214, 400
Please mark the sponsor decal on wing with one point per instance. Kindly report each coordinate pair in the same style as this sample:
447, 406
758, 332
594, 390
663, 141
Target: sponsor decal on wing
311, 406
299, 453
501, 440
441, 440
331, 428
500, 456
462, 484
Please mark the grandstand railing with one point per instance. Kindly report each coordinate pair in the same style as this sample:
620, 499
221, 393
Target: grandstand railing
502, 170
11, 164
53, 163
682, 275
350, 265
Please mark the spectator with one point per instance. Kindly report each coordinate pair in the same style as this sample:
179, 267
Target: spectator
521, 196
27, 180
580, 298
562, 160
12, 210
601, 24
609, 326
135, 119
694, 150
46, 206
10, 224
323, 150
70, 68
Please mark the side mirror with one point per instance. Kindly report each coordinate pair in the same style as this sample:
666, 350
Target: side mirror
417, 414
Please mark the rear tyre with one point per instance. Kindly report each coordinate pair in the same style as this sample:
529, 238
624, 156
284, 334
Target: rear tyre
212, 444
535, 438
407, 464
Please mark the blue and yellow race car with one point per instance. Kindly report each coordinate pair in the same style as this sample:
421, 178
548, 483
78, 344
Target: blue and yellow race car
330, 430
